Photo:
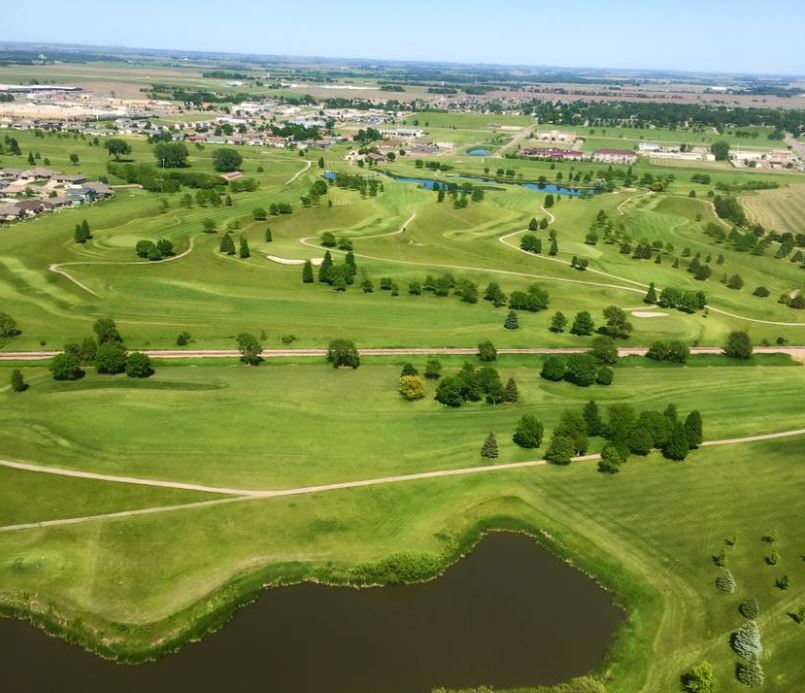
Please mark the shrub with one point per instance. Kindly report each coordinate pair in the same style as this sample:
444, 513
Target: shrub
738, 345
582, 369
448, 392
528, 433
605, 376
746, 640
110, 358
487, 351
408, 369
761, 291
749, 608
725, 582
66, 367
611, 460
750, 673
433, 370
342, 353
411, 387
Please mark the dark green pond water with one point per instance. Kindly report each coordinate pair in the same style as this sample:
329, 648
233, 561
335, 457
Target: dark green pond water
510, 614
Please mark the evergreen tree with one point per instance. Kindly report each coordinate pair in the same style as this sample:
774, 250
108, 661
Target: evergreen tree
244, 251
490, 447
307, 272
693, 429
409, 369
510, 393
554, 249
558, 322
611, 460
592, 419
349, 260
651, 295
677, 446
17, 381
325, 269
78, 234
85, 229
512, 322
640, 441
433, 370
269, 237
560, 450
583, 324
227, 245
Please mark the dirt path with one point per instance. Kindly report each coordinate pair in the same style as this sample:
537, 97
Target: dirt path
57, 268
797, 352
256, 494
296, 175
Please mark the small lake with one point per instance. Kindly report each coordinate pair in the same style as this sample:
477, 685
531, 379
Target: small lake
478, 151
546, 188
510, 614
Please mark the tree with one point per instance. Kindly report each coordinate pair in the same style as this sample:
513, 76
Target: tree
448, 392
693, 429
651, 294
749, 608
735, 282
74, 160
720, 149
409, 369
490, 447
249, 348
226, 160
549, 201
738, 345
138, 365
604, 350
307, 272
227, 245
411, 387
208, 225
243, 250
106, 331
750, 672
8, 326
572, 426
702, 679
165, 247
79, 236
259, 214
640, 441
66, 367
617, 324
343, 354
582, 369
117, 147
512, 322
18, 383
611, 460
558, 322
592, 419
183, 339
171, 154
110, 358
676, 448
433, 370
746, 640
554, 368
605, 376
621, 419
528, 433
269, 237
487, 351
582, 324
560, 450
510, 393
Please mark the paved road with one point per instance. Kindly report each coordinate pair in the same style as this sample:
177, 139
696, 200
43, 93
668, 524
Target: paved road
255, 494
797, 352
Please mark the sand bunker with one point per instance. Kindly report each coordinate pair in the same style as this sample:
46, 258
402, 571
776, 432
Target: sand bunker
648, 314
290, 261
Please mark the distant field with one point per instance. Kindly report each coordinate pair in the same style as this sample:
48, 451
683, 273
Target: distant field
782, 209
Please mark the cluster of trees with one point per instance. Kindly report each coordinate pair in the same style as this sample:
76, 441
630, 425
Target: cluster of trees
338, 276
728, 208
672, 351
82, 233
158, 180
473, 384
154, 251
580, 369
461, 195
342, 353
315, 193
105, 351
227, 245
686, 300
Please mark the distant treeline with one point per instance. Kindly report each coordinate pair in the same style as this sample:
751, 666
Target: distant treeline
224, 74
159, 180
194, 96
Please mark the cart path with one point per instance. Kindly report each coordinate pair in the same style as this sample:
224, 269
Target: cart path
796, 352
296, 175
257, 494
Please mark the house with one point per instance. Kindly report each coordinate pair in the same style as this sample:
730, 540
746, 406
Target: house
80, 196
10, 172
31, 208
39, 173
72, 179
15, 188
10, 211
615, 156
101, 190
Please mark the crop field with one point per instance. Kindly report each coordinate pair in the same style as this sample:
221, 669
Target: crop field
782, 209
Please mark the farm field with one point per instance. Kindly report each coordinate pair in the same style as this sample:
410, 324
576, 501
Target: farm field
617, 528
782, 209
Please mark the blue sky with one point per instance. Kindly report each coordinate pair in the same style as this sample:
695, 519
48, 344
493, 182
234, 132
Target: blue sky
706, 35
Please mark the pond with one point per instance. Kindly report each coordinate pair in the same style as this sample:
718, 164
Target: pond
510, 614
546, 188
478, 151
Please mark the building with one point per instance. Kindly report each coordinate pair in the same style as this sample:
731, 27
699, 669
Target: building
404, 133
556, 136
553, 153
615, 156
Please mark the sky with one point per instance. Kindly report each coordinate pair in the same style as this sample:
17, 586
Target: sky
734, 36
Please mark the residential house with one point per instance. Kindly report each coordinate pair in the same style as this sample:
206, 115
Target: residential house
80, 196
101, 190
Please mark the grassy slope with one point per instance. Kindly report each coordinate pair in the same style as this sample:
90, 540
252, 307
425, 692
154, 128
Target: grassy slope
782, 209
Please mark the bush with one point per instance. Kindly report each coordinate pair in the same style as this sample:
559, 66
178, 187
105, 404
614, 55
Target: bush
448, 392
138, 365
411, 387
408, 369
746, 640
604, 350
738, 345
582, 369
605, 376
560, 450
110, 358
529, 431
749, 608
725, 582
183, 339
700, 680
750, 673
761, 291
433, 370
